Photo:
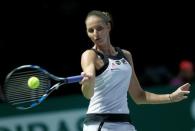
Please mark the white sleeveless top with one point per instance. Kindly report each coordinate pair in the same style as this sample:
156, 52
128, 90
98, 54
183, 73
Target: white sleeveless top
111, 87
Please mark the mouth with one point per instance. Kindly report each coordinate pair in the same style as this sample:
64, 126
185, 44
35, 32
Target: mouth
98, 40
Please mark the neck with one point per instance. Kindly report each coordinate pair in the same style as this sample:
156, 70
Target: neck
107, 49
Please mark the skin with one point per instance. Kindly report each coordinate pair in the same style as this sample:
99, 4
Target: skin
99, 33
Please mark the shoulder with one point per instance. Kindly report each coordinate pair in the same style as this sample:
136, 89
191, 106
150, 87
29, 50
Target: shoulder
89, 54
124, 52
127, 55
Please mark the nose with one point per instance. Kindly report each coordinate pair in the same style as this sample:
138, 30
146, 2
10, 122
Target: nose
95, 34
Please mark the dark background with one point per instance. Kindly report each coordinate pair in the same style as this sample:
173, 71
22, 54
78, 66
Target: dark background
52, 34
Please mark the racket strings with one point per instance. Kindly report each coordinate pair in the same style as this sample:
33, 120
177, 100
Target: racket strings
17, 90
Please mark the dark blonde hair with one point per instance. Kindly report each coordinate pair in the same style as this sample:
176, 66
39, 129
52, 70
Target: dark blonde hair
106, 17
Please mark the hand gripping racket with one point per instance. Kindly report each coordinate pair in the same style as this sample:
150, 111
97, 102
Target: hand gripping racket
20, 94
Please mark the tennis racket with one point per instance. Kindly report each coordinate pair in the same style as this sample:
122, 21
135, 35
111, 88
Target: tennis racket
18, 93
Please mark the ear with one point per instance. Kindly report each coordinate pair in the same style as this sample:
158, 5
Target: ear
109, 26
86, 31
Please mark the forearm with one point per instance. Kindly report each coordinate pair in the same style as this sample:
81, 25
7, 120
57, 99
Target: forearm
88, 89
88, 66
88, 84
176, 96
152, 98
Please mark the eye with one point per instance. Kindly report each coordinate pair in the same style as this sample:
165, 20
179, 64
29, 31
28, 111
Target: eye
90, 30
99, 28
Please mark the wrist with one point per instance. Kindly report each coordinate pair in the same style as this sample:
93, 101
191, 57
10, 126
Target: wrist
170, 98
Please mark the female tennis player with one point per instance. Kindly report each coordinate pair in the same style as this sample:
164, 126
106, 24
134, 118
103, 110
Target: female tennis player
109, 76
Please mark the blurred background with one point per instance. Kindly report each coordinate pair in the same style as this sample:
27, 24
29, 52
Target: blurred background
52, 34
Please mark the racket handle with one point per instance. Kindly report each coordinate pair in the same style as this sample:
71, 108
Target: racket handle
74, 79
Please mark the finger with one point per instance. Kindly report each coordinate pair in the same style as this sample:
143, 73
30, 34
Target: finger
185, 97
83, 74
84, 78
86, 75
186, 92
182, 93
185, 87
81, 82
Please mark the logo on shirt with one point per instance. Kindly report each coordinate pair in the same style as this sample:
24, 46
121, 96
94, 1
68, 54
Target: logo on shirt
117, 62
124, 61
114, 65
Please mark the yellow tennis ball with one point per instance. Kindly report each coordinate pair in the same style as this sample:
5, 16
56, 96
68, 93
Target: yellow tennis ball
33, 82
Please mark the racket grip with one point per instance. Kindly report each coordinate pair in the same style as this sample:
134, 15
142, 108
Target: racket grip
74, 79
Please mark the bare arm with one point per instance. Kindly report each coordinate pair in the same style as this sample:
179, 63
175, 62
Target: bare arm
143, 97
88, 66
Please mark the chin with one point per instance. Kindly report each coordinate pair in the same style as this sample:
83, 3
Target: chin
99, 43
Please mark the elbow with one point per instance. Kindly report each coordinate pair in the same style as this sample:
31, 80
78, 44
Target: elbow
87, 96
140, 99
139, 102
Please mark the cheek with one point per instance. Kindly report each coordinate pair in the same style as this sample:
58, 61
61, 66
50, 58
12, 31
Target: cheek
89, 35
105, 34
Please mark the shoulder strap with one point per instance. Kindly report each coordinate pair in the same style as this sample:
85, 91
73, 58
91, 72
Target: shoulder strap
120, 52
99, 54
105, 60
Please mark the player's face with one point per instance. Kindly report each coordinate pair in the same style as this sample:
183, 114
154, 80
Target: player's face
97, 30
